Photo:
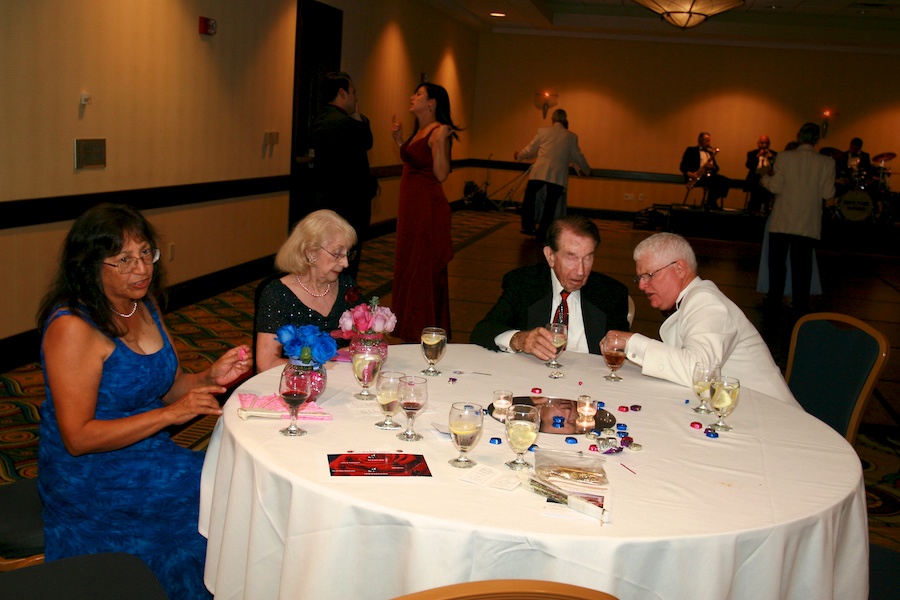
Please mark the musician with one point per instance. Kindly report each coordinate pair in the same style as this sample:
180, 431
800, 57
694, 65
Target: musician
760, 159
854, 165
699, 167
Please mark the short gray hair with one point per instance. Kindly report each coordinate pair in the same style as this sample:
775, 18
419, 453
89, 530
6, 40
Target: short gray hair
668, 247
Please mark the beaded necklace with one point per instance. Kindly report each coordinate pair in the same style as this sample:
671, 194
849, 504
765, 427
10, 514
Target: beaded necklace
308, 291
133, 310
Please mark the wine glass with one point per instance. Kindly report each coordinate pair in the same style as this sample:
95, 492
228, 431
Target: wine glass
466, 419
725, 392
366, 364
560, 334
703, 374
294, 390
613, 349
502, 402
412, 394
386, 390
434, 342
522, 424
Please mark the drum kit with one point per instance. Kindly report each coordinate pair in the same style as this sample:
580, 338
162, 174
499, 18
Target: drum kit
864, 194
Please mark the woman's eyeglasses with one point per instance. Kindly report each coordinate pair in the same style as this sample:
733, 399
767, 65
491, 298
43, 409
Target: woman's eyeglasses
339, 255
127, 264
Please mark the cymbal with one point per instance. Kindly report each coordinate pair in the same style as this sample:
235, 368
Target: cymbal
884, 157
832, 152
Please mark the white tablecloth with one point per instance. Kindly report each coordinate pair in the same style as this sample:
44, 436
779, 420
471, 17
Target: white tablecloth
774, 509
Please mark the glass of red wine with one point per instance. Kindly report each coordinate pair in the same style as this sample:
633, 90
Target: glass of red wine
294, 390
613, 348
413, 394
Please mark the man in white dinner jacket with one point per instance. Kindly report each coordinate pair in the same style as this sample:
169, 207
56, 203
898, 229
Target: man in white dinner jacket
702, 325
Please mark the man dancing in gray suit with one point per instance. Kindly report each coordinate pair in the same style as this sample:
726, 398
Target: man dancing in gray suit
561, 289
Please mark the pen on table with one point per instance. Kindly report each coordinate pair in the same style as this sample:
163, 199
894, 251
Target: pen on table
627, 468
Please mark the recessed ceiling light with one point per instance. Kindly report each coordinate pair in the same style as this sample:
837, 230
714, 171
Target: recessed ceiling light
498, 14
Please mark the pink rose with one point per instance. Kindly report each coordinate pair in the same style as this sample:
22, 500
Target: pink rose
383, 320
346, 322
362, 317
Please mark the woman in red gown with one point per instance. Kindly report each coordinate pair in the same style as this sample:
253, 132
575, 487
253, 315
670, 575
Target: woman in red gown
421, 292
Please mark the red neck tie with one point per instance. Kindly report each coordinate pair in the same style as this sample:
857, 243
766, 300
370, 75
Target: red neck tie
562, 311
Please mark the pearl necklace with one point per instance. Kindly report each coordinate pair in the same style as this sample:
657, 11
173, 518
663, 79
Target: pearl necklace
308, 291
133, 310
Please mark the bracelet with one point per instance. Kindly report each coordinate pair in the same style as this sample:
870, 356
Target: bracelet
511, 340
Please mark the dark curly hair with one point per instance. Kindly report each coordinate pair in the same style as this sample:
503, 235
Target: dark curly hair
96, 235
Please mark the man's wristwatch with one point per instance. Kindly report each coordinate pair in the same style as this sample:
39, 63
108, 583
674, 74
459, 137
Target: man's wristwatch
512, 345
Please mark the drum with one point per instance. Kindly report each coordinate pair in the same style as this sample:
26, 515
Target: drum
855, 206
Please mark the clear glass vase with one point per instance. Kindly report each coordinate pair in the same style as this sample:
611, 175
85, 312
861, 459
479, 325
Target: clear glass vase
310, 371
361, 341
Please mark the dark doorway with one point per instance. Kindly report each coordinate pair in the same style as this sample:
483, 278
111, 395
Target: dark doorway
317, 53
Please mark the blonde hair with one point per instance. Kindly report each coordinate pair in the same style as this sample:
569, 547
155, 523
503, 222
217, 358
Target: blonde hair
307, 236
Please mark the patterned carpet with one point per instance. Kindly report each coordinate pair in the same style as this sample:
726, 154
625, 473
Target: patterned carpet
203, 330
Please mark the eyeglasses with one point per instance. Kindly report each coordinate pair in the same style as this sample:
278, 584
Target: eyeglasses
645, 277
127, 264
339, 255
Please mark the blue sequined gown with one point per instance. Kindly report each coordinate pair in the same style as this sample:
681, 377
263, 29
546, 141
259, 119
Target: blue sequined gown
143, 499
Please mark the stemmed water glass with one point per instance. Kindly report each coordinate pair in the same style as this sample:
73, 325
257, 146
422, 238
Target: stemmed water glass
466, 419
725, 392
434, 342
522, 424
386, 390
701, 378
412, 394
560, 335
613, 348
366, 364
294, 391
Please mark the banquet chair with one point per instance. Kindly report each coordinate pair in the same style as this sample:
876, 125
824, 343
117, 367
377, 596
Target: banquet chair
833, 365
21, 527
508, 589
107, 576
630, 315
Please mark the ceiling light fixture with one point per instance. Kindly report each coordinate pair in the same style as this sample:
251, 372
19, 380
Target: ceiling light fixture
498, 14
685, 14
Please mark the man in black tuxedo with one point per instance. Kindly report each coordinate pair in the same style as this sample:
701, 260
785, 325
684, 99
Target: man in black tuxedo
761, 158
854, 166
533, 296
703, 155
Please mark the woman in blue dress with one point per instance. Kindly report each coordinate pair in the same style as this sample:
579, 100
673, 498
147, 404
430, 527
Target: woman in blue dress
110, 477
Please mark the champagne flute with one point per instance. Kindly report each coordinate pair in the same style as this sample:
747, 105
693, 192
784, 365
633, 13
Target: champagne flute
386, 391
613, 348
412, 394
434, 342
725, 393
560, 334
522, 424
294, 391
502, 402
366, 364
466, 419
702, 376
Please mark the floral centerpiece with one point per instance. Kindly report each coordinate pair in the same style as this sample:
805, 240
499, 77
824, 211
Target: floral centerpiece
322, 348
365, 324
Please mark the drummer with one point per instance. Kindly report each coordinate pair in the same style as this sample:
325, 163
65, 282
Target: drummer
855, 165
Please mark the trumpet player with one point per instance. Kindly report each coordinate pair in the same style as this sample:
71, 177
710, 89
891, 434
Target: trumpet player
759, 161
699, 167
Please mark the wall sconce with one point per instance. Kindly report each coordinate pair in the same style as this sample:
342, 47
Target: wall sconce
545, 101
685, 14
826, 115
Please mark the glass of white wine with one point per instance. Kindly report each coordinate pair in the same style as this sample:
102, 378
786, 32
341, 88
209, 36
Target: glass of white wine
434, 342
466, 419
366, 364
725, 392
701, 378
386, 391
613, 348
522, 425
560, 334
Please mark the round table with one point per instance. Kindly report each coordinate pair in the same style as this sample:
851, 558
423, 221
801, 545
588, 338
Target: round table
773, 509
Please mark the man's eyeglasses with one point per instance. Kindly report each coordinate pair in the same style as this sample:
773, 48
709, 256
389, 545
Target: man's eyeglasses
339, 255
127, 264
645, 277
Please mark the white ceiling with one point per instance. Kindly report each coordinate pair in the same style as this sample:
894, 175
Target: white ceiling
844, 25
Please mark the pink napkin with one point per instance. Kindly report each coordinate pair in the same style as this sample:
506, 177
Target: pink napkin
273, 402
